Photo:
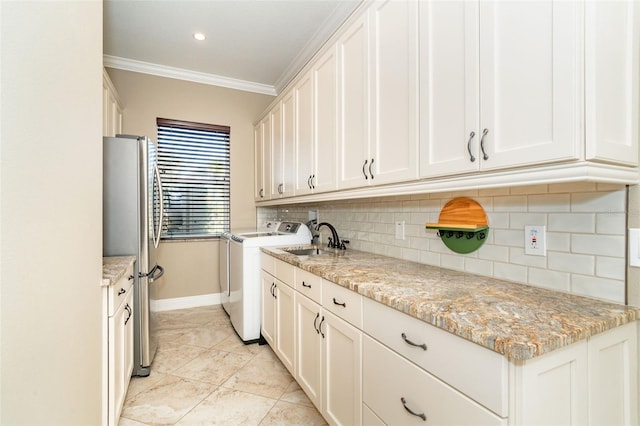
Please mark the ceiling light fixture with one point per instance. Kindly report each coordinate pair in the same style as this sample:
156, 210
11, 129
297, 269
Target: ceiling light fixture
199, 36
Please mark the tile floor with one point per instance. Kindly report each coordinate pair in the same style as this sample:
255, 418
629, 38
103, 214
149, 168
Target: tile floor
203, 374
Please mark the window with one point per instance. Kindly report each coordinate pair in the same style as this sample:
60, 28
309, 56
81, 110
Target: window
194, 164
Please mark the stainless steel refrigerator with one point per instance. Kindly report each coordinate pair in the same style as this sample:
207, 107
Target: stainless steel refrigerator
132, 222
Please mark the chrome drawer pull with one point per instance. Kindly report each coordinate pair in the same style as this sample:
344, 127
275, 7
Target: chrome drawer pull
335, 302
404, 337
410, 411
121, 291
306, 285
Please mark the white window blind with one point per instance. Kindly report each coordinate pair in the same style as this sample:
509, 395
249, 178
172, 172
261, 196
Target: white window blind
194, 164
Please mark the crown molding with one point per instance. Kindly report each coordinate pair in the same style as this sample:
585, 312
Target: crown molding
313, 46
187, 75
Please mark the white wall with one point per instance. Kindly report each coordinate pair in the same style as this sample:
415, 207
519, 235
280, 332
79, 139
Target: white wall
586, 222
51, 212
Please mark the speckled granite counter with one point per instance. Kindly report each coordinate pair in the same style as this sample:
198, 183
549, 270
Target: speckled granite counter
516, 320
114, 267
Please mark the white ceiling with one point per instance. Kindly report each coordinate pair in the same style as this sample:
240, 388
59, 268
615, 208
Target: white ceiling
255, 45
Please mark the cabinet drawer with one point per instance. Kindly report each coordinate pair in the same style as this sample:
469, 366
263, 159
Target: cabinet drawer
268, 263
285, 272
473, 370
119, 291
308, 284
392, 383
342, 302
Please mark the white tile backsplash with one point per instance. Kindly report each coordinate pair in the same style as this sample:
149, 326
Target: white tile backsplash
586, 226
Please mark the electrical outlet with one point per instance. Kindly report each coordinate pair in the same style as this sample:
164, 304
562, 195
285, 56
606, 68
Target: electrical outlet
400, 230
535, 240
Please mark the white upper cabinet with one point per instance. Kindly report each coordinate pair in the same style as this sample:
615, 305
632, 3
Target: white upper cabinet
111, 108
325, 123
379, 96
288, 144
316, 136
263, 178
394, 89
303, 92
501, 84
277, 153
612, 72
353, 151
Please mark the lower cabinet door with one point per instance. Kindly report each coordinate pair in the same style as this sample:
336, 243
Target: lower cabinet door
128, 342
343, 371
400, 393
268, 315
120, 356
309, 346
285, 334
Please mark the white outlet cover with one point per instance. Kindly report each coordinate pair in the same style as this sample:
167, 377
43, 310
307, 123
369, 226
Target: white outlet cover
400, 230
535, 240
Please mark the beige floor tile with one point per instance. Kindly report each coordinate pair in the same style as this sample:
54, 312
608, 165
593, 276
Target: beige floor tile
213, 366
204, 336
182, 318
296, 395
229, 408
263, 375
234, 344
142, 384
287, 414
167, 401
170, 356
128, 422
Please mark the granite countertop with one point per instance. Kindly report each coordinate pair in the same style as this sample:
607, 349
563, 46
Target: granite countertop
114, 267
516, 320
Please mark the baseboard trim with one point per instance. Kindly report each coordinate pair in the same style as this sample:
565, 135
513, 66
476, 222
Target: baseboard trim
186, 302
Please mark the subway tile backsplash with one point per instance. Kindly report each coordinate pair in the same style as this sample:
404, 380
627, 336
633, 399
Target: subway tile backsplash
585, 222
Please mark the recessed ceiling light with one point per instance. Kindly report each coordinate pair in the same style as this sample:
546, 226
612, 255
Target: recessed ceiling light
199, 36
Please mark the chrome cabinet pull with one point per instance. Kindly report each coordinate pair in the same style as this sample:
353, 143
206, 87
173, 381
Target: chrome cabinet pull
410, 411
423, 346
363, 172
335, 302
371, 173
313, 186
320, 327
307, 286
280, 188
121, 291
315, 321
472, 158
309, 182
484, 153
261, 192
131, 277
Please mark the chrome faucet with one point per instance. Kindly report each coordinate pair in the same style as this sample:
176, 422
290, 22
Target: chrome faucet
334, 240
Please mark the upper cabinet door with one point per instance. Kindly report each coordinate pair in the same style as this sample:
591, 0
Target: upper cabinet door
394, 72
326, 122
288, 144
612, 51
277, 156
531, 70
449, 115
304, 134
259, 169
353, 105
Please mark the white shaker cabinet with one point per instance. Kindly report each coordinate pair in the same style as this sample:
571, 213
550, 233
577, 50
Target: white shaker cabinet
278, 317
111, 107
378, 53
282, 124
309, 370
119, 308
316, 130
612, 80
501, 84
262, 143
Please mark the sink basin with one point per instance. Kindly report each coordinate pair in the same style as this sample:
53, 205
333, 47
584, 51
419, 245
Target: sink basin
307, 252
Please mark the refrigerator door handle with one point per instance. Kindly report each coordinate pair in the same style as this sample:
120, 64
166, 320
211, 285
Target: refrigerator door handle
152, 273
156, 239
